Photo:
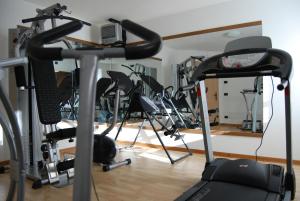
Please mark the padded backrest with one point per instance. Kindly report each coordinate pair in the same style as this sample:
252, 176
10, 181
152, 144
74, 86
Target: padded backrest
155, 86
124, 82
46, 91
65, 90
76, 77
102, 86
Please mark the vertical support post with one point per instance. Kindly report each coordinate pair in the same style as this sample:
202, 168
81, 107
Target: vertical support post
175, 110
85, 129
165, 108
122, 123
115, 115
254, 109
254, 113
288, 132
205, 122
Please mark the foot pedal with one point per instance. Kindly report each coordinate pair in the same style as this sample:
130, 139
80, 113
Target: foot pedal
65, 165
169, 132
193, 126
37, 184
178, 137
52, 173
3, 169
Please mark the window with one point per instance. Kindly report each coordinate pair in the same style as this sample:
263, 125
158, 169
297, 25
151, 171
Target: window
1, 136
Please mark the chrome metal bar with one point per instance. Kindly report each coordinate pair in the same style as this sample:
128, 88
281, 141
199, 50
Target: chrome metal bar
85, 129
205, 122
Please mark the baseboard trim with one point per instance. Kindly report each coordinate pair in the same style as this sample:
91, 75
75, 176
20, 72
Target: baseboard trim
213, 131
216, 153
71, 150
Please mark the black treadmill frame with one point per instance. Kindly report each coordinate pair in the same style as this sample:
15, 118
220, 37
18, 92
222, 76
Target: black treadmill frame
207, 70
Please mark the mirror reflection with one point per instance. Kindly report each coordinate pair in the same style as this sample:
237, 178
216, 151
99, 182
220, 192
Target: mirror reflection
67, 74
234, 104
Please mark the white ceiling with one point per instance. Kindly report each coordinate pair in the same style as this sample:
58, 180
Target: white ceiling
97, 11
212, 41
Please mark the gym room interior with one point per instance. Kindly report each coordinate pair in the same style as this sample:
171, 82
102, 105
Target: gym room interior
149, 100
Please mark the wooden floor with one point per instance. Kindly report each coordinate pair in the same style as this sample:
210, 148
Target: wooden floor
150, 177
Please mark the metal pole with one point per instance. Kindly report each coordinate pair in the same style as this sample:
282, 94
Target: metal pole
288, 127
255, 106
85, 129
5, 63
20, 168
115, 115
137, 135
205, 122
14, 157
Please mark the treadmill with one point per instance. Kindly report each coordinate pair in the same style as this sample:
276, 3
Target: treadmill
243, 179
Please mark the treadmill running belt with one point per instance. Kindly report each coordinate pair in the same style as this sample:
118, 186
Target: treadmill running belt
219, 191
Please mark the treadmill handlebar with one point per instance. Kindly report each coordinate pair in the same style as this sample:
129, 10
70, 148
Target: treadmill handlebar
275, 62
283, 84
35, 47
152, 45
235, 53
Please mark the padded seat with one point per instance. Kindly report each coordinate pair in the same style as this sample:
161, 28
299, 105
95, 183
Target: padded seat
61, 134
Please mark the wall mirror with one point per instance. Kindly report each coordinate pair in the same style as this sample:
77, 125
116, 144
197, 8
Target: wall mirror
67, 74
234, 103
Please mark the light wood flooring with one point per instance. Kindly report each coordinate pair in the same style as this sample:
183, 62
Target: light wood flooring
150, 177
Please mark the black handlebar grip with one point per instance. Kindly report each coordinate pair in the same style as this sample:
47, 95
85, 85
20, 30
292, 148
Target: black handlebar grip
35, 47
45, 17
283, 84
152, 43
33, 19
20, 76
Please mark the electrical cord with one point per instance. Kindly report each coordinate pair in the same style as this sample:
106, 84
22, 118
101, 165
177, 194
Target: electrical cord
272, 112
94, 187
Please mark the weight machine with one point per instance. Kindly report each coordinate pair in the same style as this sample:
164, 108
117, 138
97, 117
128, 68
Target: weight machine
185, 71
42, 161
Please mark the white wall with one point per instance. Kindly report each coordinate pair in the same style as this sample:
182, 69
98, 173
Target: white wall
280, 22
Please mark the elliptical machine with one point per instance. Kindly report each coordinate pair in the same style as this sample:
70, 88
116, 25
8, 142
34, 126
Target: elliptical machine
36, 84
